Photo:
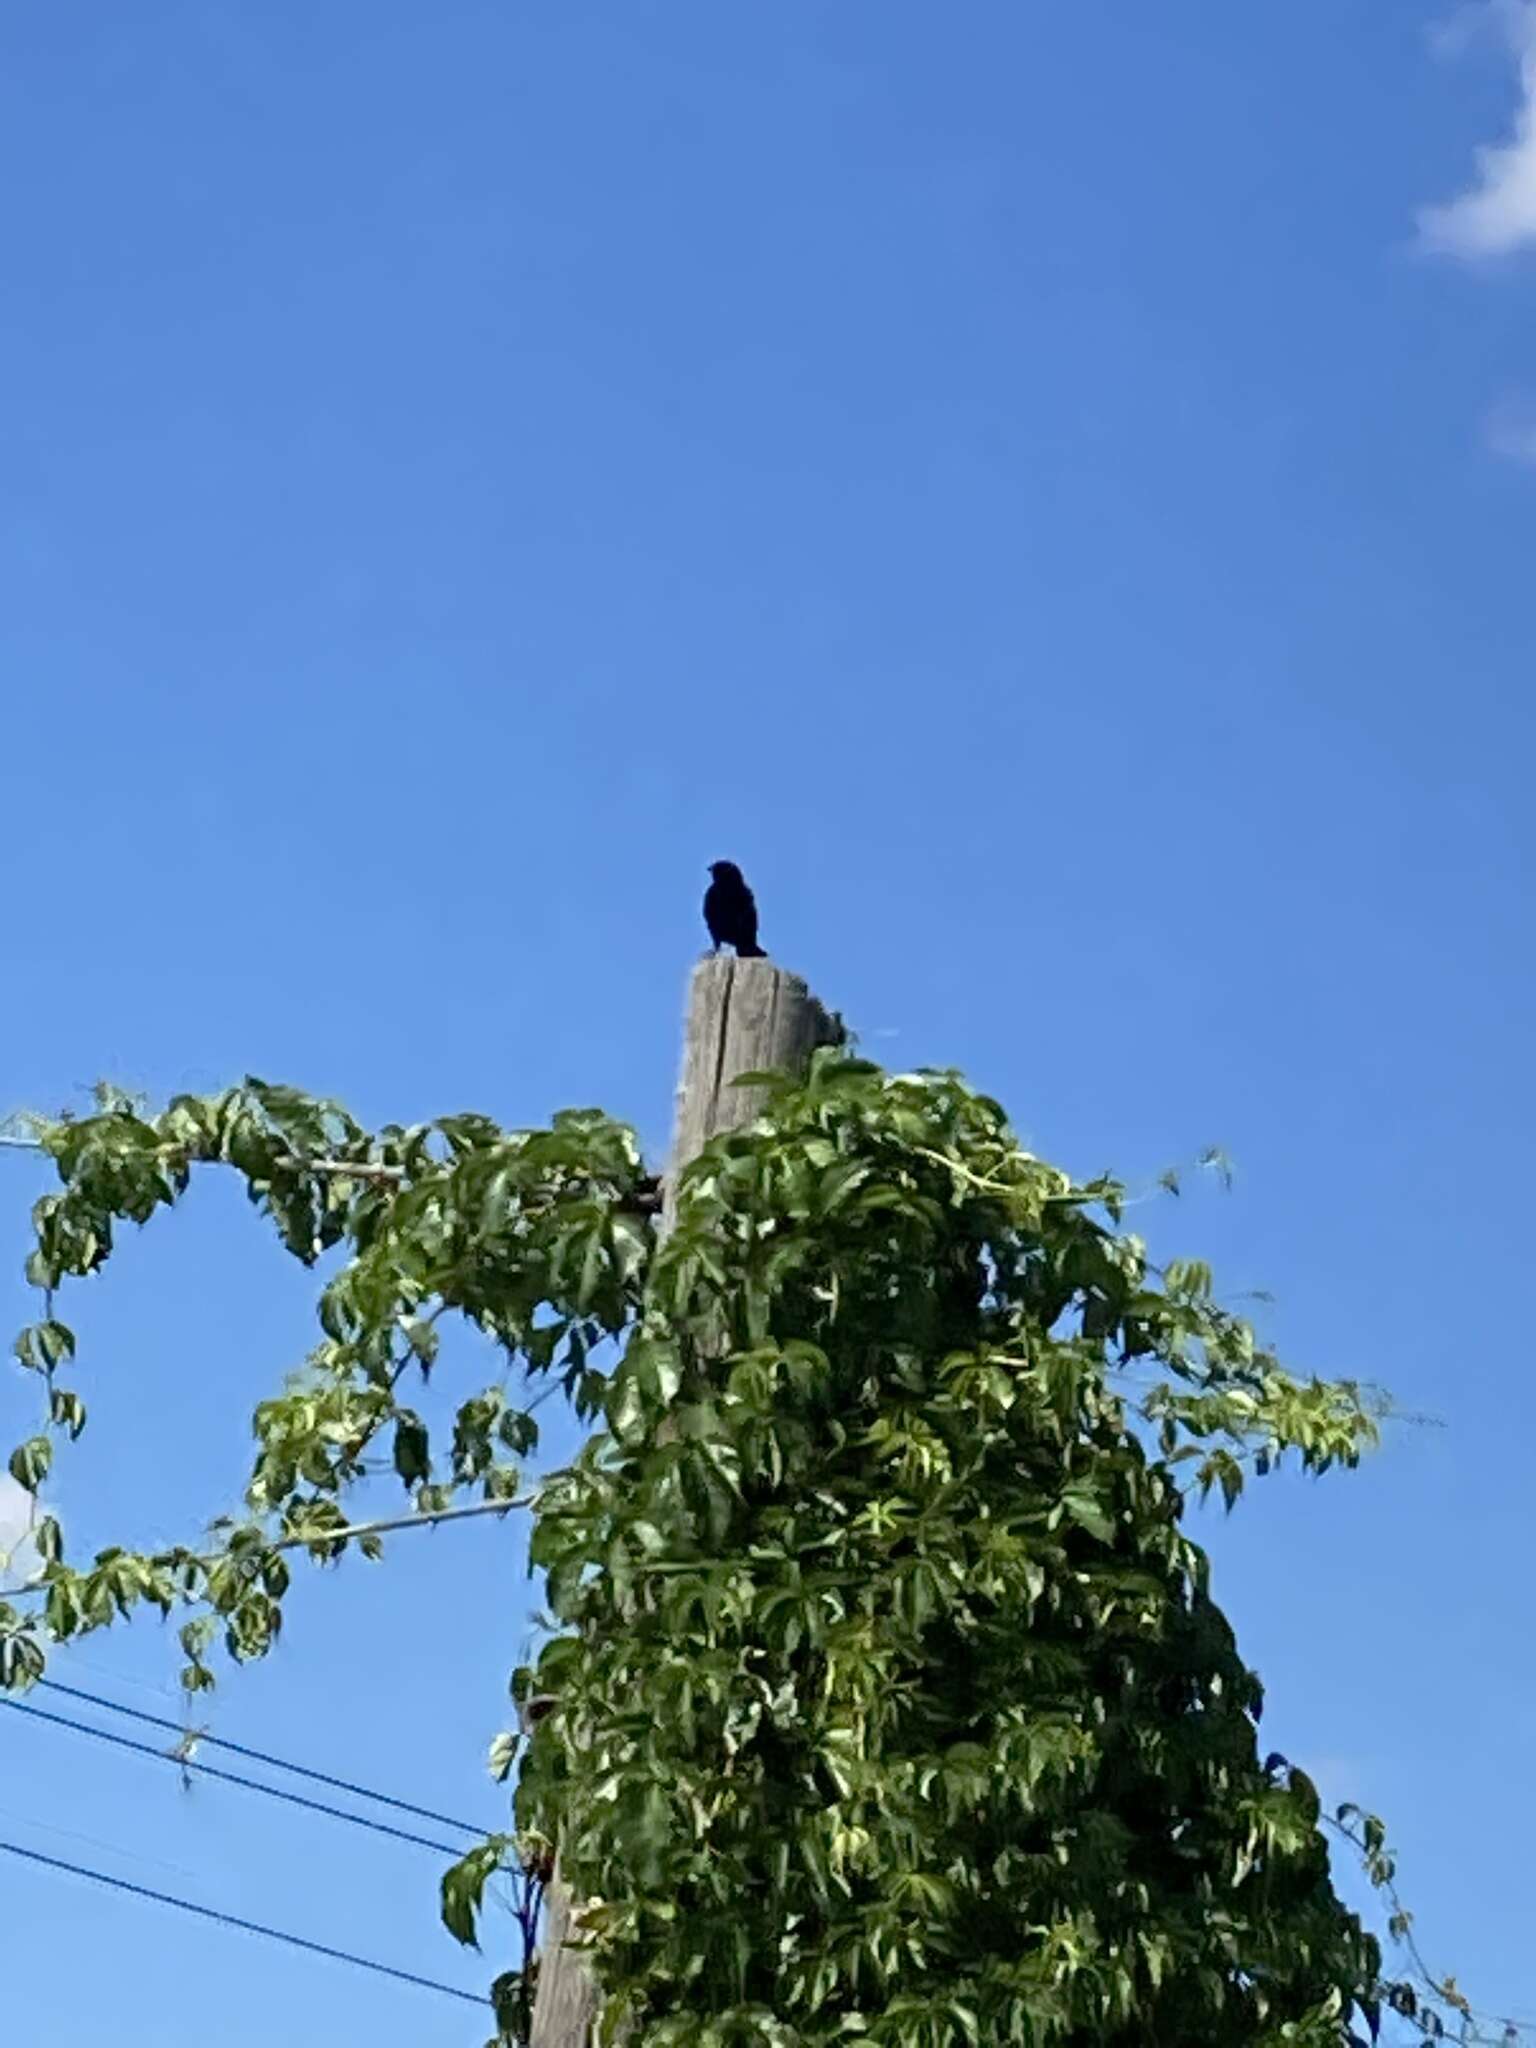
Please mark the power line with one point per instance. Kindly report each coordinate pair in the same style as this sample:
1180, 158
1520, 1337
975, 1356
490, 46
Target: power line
93, 1842
300, 1941
258, 1756
418, 1518
188, 1763
345, 1532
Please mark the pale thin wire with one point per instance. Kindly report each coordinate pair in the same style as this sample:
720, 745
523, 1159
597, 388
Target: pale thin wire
299, 1941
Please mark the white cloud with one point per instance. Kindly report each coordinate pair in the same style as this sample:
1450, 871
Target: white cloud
1498, 213
19, 1560
1510, 430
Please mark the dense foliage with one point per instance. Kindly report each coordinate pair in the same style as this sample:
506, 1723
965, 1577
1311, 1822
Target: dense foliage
893, 1705
889, 1700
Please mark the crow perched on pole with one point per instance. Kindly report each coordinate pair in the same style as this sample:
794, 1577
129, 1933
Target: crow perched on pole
730, 911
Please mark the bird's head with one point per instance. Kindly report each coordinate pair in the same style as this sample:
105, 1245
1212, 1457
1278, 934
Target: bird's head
725, 871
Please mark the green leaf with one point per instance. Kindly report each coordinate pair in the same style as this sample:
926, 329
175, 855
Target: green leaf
463, 1888
67, 1411
422, 1338
55, 1342
1082, 1506
22, 1661
30, 1462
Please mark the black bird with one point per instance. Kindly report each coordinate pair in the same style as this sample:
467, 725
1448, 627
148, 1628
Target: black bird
730, 911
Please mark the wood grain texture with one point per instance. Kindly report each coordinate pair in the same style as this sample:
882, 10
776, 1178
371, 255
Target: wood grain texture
744, 1017
565, 2004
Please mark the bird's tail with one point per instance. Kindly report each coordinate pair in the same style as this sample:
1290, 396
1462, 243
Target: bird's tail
750, 953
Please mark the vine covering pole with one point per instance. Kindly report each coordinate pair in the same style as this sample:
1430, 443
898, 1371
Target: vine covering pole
744, 1017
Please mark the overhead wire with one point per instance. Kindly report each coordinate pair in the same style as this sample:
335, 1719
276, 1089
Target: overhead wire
178, 1757
191, 1763
214, 1913
48, 1827
258, 1756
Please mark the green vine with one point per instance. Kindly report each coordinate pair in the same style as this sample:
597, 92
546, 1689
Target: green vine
539, 1239
886, 1698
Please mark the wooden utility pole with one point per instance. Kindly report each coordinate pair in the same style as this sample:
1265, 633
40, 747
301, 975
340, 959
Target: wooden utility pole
744, 1017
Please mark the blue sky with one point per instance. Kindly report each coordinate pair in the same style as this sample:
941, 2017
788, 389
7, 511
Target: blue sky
1051, 491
